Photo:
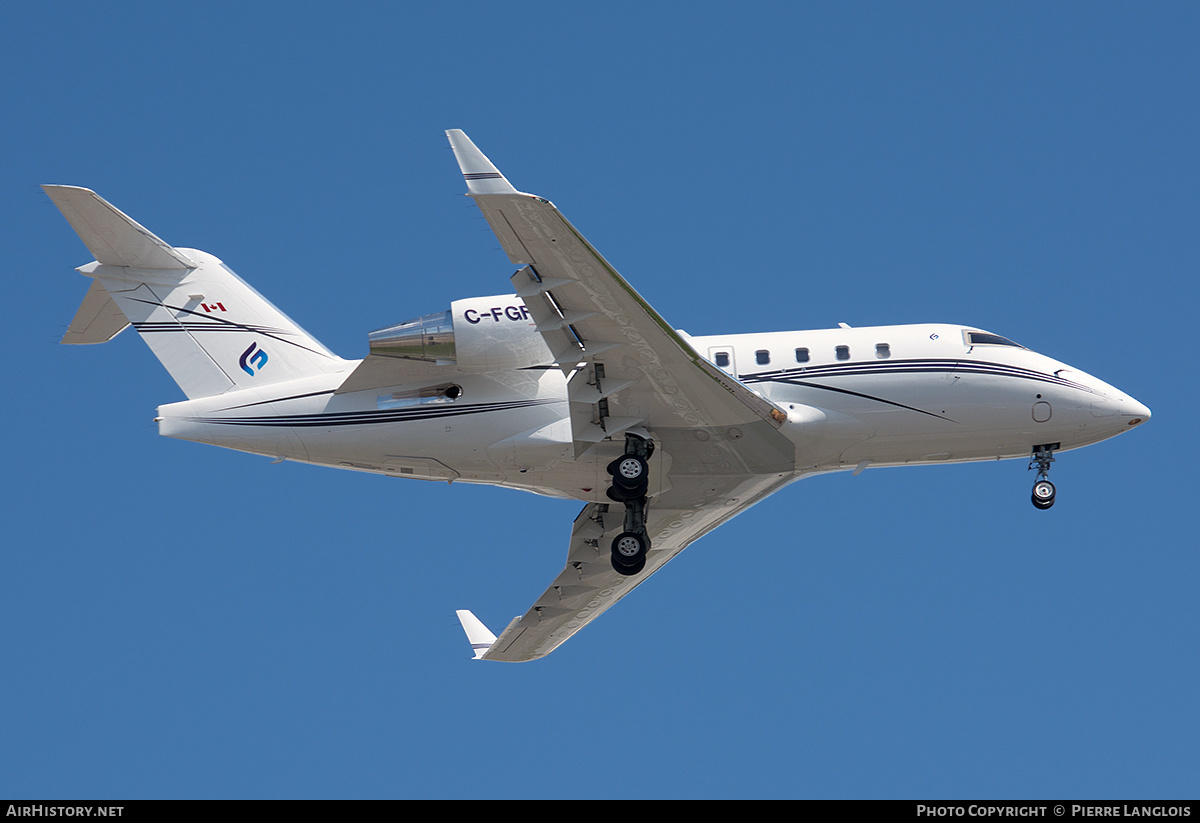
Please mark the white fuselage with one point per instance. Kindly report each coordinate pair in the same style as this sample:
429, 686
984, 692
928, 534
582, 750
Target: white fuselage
854, 397
573, 386
922, 394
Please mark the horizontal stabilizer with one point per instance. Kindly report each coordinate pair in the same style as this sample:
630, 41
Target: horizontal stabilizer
98, 319
211, 330
479, 635
112, 236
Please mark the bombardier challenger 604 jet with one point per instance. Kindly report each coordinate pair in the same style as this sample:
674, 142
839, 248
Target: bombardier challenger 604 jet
573, 386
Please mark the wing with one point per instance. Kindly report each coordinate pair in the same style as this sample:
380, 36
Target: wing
588, 314
629, 371
587, 586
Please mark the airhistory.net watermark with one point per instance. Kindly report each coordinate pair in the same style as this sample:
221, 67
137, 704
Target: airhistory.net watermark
42, 810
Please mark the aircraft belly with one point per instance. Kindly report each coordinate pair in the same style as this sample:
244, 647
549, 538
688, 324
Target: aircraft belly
750, 448
279, 441
460, 447
967, 417
340, 433
834, 421
690, 467
821, 436
538, 447
885, 450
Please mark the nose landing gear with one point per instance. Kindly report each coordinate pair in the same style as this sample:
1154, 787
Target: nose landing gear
631, 481
1043, 489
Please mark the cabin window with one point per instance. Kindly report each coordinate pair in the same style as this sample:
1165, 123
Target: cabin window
723, 359
801, 355
843, 352
762, 357
883, 351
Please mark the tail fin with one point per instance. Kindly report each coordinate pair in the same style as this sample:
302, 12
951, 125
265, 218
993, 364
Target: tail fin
210, 330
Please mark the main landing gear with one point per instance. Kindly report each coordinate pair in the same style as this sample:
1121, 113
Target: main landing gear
631, 481
1043, 489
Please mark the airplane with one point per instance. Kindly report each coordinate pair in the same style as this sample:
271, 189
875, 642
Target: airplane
573, 386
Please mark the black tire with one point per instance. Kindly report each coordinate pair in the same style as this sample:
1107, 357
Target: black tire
1043, 494
629, 471
629, 571
622, 495
629, 550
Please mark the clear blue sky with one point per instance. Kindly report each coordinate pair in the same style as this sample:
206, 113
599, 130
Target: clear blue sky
182, 621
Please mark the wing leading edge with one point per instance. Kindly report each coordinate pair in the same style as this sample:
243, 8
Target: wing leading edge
628, 371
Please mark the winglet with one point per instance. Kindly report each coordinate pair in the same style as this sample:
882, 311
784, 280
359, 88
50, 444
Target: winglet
478, 634
481, 174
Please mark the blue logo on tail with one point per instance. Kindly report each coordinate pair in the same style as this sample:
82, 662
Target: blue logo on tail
250, 357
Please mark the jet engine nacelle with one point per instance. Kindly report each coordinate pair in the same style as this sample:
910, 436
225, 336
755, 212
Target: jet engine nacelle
497, 334
477, 334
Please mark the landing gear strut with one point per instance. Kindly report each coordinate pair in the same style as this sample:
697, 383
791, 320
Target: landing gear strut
1043, 489
631, 481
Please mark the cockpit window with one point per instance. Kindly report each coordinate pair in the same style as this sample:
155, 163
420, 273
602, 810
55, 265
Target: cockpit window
983, 338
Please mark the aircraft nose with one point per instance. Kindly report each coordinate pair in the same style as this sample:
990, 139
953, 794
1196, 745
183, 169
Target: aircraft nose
1134, 412
1113, 411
